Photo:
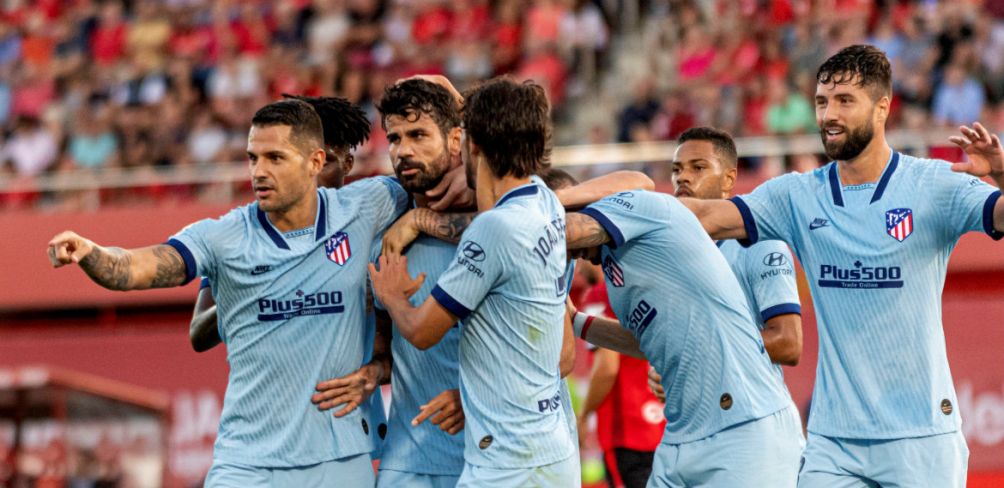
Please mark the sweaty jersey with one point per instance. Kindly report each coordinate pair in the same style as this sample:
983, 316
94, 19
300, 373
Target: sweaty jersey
291, 311
766, 274
673, 290
419, 376
876, 256
507, 284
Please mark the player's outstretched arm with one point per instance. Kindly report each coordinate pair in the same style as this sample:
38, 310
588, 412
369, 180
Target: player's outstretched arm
782, 337
202, 331
443, 226
604, 332
119, 269
985, 157
423, 326
595, 189
720, 218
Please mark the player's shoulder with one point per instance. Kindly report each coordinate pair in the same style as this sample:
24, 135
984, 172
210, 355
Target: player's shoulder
230, 223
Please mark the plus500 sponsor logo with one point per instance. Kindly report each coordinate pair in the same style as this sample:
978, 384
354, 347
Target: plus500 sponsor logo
860, 276
323, 302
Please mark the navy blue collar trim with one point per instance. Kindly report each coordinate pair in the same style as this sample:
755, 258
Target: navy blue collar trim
719, 243
838, 198
886, 176
890, 168
529, 189
321, 227
272, 233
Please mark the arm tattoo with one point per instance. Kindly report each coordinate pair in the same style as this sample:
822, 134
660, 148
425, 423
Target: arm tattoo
171, 268
108, 267
583, 231
443, 226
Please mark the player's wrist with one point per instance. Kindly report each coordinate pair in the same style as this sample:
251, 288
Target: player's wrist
581, 323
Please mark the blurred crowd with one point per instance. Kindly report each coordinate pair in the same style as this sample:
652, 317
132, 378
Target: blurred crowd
749, 66
89, 84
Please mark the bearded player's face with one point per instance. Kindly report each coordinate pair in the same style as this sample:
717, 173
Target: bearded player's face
418, 151
846, 115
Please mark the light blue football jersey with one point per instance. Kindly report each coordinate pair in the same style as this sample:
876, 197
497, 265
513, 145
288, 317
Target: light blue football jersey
508, 285
292, 312
669, 286
419, 376
876, 256
766, 274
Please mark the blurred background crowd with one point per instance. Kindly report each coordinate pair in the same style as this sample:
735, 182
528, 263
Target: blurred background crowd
152, 84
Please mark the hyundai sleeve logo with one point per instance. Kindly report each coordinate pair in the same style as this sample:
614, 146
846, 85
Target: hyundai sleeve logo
473, 251
775, 259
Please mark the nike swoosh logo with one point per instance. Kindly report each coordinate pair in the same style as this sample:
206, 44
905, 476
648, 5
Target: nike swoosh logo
261, 270
815, 224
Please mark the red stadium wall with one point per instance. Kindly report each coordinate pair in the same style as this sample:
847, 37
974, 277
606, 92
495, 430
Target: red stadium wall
150, 349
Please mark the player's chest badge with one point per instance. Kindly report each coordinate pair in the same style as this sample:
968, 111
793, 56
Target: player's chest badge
899, 223
613, 271
337, 248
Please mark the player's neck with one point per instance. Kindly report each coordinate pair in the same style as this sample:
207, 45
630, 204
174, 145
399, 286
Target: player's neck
490, 193
868, 166
299, 216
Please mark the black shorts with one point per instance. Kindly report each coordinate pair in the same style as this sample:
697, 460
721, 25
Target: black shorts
628, 467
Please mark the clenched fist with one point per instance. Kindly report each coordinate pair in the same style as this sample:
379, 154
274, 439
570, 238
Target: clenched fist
68, 247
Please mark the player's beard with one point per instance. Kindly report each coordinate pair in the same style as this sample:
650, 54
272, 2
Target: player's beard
428, 176
856, 140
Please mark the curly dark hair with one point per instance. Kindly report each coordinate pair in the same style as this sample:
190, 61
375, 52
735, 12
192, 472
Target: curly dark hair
511, 123
864, 65
344, 123
725, 147
411, 98
304, 123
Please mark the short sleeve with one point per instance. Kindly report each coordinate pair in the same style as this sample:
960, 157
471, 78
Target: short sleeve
196, 245
771, 275
478, 265
766, 212
971, 207
631, 214
205, 283
388, 199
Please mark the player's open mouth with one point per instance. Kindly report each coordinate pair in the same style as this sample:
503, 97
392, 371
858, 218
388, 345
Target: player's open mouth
833, 133
683, 192
262, 192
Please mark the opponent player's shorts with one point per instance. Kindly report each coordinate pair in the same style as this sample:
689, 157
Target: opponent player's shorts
350, 472
557, 475
937, 460
389, 478
762, 452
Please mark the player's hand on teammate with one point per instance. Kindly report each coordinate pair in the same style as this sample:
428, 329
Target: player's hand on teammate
445, 410
983, 150
452, 192
400, 234
655, 384
392, 280
350, 390
68, 247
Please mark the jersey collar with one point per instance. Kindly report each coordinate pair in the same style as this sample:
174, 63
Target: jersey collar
837, 192
520, 191
320, 226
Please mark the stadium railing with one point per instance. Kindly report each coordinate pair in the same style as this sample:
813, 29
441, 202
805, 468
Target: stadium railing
226, 178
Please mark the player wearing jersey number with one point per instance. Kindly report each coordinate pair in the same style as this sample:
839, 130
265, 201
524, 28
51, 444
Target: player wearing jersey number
875, 228
508, 284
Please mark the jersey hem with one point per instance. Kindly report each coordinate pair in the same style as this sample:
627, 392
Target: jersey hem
886, 437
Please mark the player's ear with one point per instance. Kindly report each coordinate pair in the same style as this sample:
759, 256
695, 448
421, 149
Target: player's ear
453, 141
729, 180
350, 161
316, 161
882, 110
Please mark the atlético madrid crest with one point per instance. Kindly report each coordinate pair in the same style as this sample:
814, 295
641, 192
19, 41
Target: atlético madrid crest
337, 248
899, 223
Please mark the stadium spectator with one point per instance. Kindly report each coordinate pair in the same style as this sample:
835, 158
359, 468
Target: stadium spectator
959, 99
32, 148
